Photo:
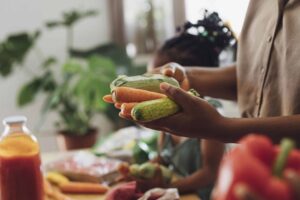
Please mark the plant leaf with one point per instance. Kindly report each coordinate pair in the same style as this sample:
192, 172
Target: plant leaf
14, 49
54, 24
102, 66
28, 92
49, 61
72, 67
71, 17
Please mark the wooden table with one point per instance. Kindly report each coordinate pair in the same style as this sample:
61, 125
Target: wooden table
48, 157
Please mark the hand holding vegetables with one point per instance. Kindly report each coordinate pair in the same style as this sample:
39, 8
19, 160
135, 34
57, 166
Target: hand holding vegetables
258, 165
194, 117
139, 97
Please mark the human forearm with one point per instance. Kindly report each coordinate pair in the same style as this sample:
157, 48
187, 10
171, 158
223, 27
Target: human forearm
199, 179
214, 82
274, 127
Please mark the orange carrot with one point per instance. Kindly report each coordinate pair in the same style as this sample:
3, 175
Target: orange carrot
108, 99
126, 108
83, 188
128, 95
118, 105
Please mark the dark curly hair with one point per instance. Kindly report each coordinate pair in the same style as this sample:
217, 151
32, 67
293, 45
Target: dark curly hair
198, 44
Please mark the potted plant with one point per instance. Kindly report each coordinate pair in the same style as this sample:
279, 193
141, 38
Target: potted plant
75, 96
75, 93
77, 99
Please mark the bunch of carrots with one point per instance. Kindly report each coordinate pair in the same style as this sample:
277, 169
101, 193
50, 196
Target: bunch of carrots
125, 98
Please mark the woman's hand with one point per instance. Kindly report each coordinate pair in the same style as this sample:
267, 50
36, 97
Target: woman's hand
176, 71
197, 118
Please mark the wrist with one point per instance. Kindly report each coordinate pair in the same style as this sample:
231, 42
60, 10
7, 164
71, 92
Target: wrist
229, 129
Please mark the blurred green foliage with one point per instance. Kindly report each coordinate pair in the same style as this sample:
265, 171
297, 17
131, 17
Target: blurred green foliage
145, 149
13, 50
76, 92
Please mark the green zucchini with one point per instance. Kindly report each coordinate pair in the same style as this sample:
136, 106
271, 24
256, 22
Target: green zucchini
150, 82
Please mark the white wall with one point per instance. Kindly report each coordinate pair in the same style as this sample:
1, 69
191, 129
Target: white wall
21, 15
232, 11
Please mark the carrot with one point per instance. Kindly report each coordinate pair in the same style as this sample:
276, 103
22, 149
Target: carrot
108, 98
118, 105
128, 95
126, 108
83, 188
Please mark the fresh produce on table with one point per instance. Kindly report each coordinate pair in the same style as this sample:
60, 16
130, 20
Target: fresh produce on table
55, 181
260, 165
52, 193
83, 188
85, 167
125, 191
139, 97
146, 171
149, 82
56, 178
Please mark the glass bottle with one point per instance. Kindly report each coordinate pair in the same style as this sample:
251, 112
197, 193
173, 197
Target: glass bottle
20, 163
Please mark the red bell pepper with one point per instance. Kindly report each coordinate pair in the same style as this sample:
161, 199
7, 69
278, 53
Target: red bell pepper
258, 164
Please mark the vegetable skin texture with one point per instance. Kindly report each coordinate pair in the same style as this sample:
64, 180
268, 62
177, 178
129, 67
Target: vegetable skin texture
128, 95
154, 109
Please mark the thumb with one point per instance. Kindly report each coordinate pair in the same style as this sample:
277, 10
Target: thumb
181, 97
174, 70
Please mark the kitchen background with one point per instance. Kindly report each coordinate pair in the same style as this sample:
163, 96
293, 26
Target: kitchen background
130, 29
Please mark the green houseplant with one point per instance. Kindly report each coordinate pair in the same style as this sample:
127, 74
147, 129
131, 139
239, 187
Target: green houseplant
77, 99
74, 93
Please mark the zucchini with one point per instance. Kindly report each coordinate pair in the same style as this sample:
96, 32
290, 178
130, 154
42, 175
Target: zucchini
148, 82
155, 109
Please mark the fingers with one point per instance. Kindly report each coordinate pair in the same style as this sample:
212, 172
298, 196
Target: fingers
181, 97
163, 123
294, 180
242, 192
174, 70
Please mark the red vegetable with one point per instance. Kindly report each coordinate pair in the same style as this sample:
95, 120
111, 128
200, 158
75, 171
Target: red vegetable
258, 164
260, 147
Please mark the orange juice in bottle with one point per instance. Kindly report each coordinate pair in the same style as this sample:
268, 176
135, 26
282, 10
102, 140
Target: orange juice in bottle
20, 163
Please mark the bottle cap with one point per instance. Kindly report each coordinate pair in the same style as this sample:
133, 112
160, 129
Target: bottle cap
14, 120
